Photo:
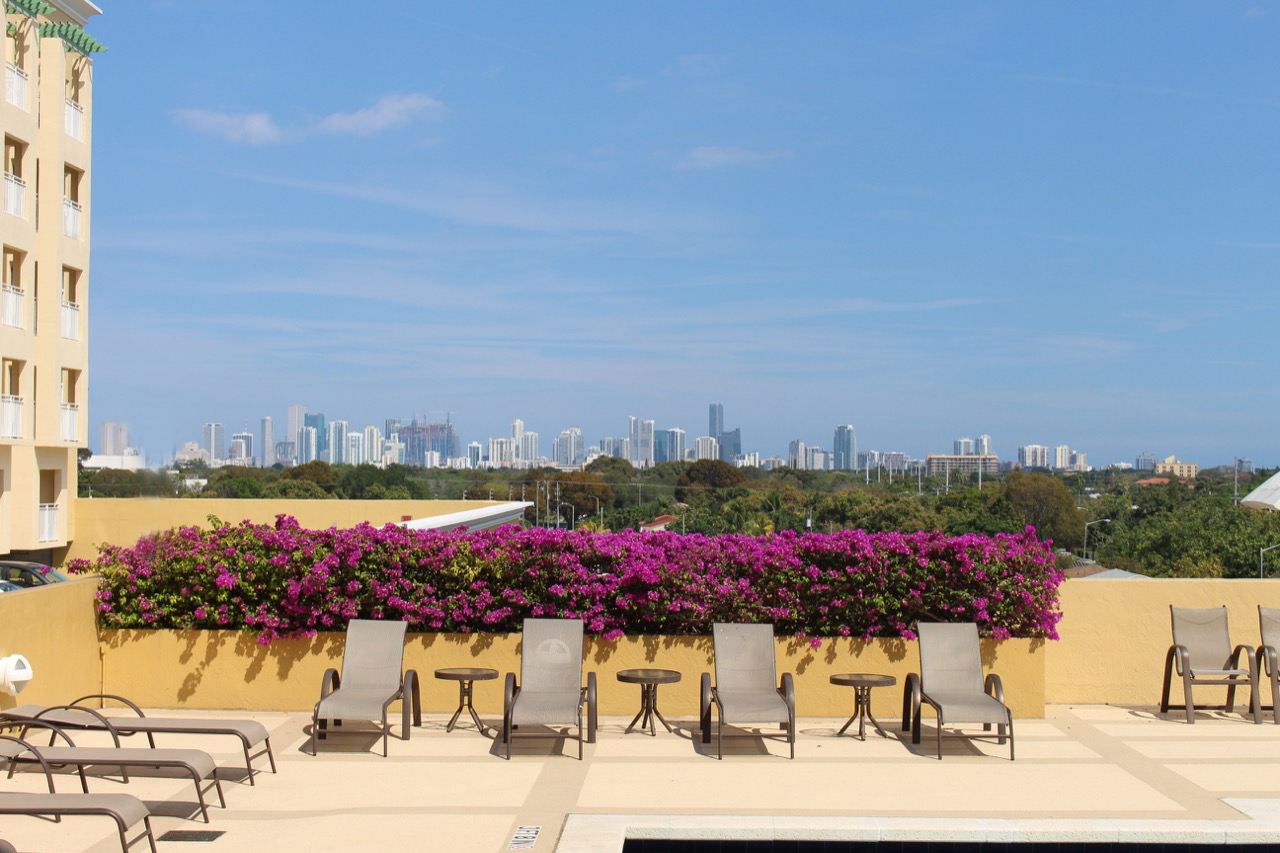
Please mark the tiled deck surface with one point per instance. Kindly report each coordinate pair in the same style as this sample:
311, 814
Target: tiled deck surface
1083, 773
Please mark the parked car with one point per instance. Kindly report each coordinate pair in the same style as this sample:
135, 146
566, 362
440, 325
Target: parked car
5, 586
23, 574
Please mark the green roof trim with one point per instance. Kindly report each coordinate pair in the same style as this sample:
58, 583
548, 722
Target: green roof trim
30, 8
75, 38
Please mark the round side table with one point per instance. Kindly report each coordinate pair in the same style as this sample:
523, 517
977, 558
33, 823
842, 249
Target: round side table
466, 676
648, 679
862, 684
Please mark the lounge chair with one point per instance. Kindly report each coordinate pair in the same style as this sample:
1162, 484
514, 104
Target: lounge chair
950, 681
126, 810
198, 764
1267, 663
77, 716
373, 676
1201, 654
744, 691
550, 690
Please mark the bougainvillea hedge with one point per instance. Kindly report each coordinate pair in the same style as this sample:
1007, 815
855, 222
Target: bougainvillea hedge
281, 580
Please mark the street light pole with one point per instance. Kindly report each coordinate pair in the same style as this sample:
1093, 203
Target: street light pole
1085, 549
1262, 551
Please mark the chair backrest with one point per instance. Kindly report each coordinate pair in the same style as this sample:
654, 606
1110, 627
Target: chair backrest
744, 657
1203, 631
551, 661
950, 657
374, 655
1269, 625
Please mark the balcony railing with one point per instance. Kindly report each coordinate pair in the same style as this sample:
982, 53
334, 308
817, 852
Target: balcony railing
71, 219
10, 416
11, 306
73, 119
49, 523
15, 86
15, 195
70, 421
71, 321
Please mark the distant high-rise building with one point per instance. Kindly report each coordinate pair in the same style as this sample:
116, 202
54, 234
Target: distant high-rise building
316, 420
797, 457
1033, 456
246, 447
393, 451
1079, 461
706, 447
845, 448
668, 445
501, 452
610, 446
1062, 457
715, 420
982, 447
816, 459
308, 446
1145, 462
391, 427
287, 453
214, 442
419, 437
355, 452
268, 442
528, 452
868, 459
894, 461
337, 442
730, 445
115, 438
474, 452
374, 445
517, 434
640, 434
1244, 466
962, 447
569, 448
296, 421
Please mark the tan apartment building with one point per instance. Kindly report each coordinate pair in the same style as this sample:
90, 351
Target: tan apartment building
47, 121
1171, 467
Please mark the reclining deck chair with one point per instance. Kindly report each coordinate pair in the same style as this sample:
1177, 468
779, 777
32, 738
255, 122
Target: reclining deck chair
125, 809
950, 681
77, 715
744, 691
1201, 654
1268, 665
373, 677
199, 765
550, 690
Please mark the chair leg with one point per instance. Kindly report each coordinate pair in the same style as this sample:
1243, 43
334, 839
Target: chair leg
1186, 692
1275, 697
1168, 680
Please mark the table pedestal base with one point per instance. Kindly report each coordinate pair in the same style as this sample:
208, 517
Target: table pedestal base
648, 711
862, 712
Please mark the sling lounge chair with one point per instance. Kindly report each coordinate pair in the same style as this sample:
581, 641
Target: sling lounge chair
79, 716
744, 691
1201, 654
126, 810
950, 681
550, 690
373, 677
194, 762
1268, 665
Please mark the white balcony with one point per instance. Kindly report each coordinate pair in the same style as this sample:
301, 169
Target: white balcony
70, 422
11, 299
49, 523
71, 321
71, 219
15, 86
10, 416
15, 195
73, 119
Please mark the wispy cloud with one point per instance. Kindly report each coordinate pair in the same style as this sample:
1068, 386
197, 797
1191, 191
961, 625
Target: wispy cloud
713, 157
247, 128
390, 111
260, 128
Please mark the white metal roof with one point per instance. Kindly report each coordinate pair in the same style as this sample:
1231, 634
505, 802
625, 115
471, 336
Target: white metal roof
1266, 496
482, 518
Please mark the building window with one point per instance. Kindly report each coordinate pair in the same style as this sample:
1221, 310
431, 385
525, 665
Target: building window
11, 398
73, 112
70, 407
71, 179
15, 76
11, 294
15, 188
71, 303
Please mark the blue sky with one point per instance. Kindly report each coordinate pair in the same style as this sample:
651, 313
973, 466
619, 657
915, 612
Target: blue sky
1051, 223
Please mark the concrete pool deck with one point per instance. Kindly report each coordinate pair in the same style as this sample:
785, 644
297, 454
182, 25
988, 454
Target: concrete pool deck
1083, 773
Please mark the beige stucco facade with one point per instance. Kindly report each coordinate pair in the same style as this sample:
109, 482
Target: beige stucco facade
47, 121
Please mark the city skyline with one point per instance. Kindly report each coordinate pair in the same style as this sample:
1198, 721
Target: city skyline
922, 220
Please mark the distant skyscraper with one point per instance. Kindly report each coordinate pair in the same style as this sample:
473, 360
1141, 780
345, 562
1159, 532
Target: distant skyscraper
296, 421
502, 452
1145, 462
706, 447
816, 459
115, 438
355, 454
1033, 456
982, 446
715, 420
845, 448
730, 445
796, 456
641, 443
528, 452
474, 452
675, 445
517, 434
246, 447
337, 442
374, 445
569, 448
268, 442
963, 447
1062, 457
307, 446
215, 442
316, 421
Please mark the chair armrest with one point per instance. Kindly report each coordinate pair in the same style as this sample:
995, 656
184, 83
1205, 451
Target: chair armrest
1247, 651
331, 682
42, 724
1181, 659
910, 699
48, 771
591, 707
119, 699
1266, 656
106, 723
510, 692
994, 688
704, 706
787, 689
